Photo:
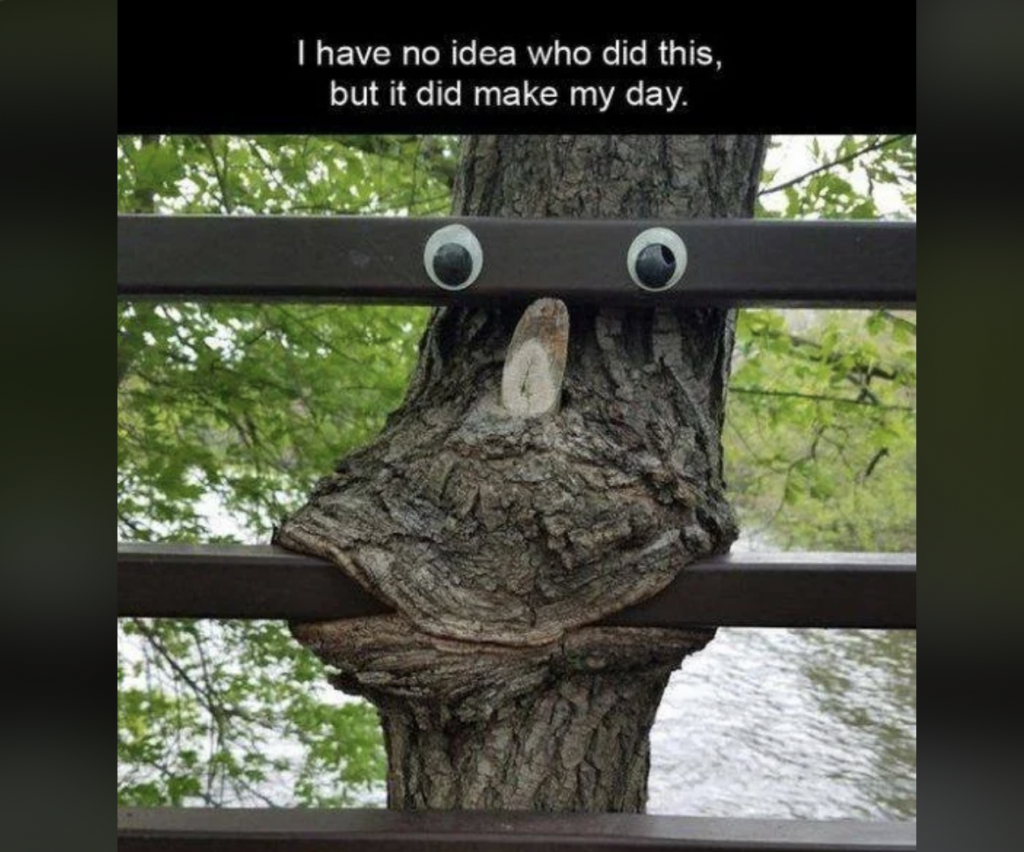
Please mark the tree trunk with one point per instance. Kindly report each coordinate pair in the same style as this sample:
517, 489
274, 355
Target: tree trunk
499, 536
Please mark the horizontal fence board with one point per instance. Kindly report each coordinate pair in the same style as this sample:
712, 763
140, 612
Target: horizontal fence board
275, 830
739, 590
380, 259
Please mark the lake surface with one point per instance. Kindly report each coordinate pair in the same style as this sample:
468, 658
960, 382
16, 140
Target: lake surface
810, 724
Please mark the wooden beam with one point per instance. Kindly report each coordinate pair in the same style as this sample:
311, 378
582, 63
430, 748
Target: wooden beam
381, 259
276, 830
740, 590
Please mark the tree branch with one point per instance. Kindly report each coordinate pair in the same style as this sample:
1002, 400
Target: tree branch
840, 400
881, 454
221, 174
849, 158
860, 370
809, 456
218, 711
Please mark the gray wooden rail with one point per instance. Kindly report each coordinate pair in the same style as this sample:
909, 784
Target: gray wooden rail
273, 830
742, 590
380, 259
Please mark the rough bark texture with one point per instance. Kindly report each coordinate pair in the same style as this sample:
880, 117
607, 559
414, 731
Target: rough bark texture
499, 537
558, 727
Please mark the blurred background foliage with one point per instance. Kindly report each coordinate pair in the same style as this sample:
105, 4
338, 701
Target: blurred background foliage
228, 413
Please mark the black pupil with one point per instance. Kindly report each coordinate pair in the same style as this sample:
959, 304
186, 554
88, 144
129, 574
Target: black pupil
655, 265
452, 264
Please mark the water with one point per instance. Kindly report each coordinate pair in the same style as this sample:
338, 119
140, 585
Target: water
806, 724
788, 724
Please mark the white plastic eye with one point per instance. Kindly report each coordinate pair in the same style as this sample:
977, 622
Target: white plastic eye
453, 257
656, 259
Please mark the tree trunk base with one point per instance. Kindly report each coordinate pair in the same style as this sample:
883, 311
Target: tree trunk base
557, 727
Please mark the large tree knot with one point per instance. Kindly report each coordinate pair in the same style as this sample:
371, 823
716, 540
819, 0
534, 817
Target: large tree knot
386, 659
487, 511
561, 726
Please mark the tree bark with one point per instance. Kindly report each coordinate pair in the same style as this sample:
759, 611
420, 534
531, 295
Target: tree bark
499, 537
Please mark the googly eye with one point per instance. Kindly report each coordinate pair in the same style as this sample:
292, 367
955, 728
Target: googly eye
453, 257
656, 259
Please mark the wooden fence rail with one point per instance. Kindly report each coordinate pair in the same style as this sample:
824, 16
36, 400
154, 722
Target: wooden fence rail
380, 259
740, 590
277, 830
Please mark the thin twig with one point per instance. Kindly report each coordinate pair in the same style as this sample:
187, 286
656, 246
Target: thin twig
820, 398
867, 149
221, 175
